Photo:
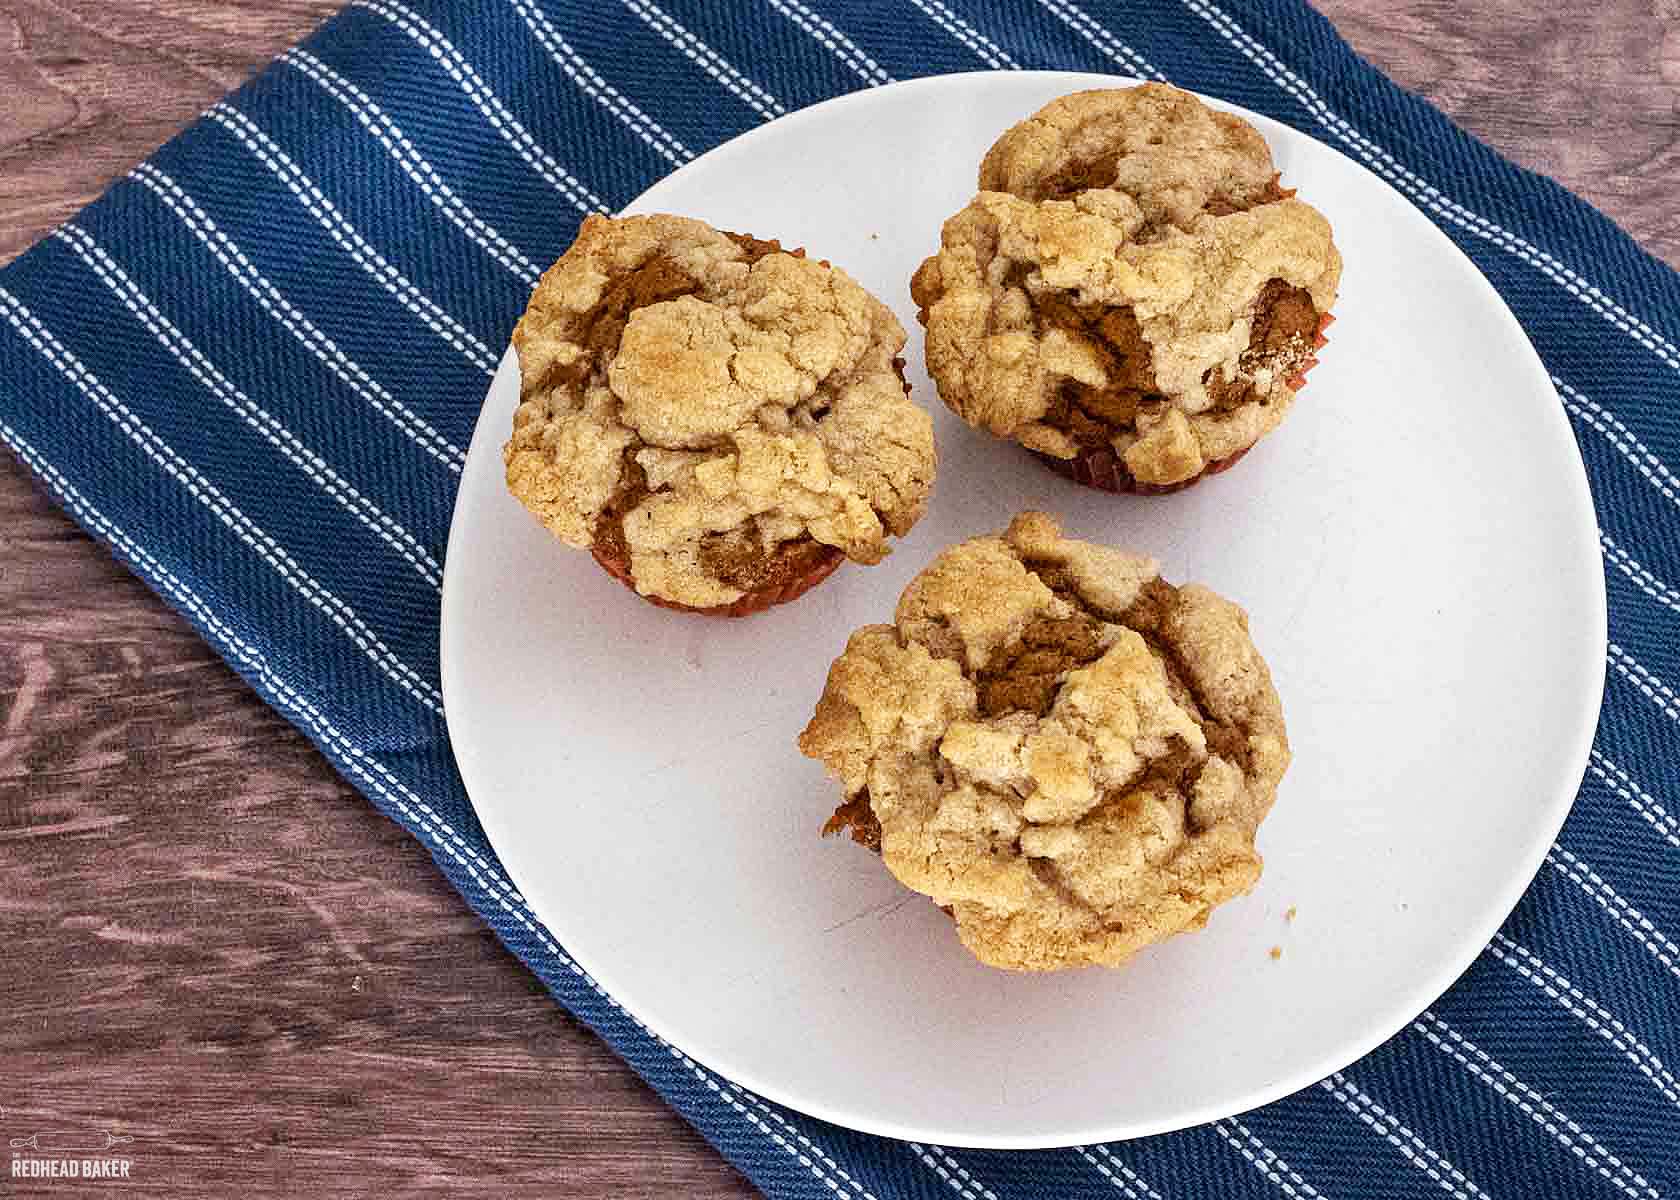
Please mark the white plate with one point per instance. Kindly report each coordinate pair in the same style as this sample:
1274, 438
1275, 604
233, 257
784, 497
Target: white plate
1416, 547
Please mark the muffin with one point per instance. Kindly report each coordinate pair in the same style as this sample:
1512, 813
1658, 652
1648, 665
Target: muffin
1066, 752
718, 421
1132, 295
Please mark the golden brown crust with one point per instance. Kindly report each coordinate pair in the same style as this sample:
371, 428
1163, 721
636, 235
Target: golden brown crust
1175, 156
1069, 754
1131, 283
750, 397
1001, 349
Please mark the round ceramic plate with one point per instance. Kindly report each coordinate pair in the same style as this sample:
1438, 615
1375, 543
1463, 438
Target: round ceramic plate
1417, 552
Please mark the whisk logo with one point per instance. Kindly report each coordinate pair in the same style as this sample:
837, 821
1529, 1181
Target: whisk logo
70, 1154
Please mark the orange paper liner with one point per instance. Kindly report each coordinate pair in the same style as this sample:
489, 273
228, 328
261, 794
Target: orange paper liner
752, 602
1104, 470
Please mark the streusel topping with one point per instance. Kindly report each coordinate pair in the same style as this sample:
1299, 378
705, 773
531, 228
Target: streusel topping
1068, 753
1050, 322
699, 401
1175, 156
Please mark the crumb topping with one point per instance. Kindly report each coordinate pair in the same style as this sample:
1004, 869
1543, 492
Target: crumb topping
1048, 323
1067, 752
704, 404
1175, 156
1132, 279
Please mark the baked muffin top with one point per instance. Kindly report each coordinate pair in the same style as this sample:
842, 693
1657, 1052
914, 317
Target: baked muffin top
697, 402
1175, 156
1050, 322
1131, 279
1069, 753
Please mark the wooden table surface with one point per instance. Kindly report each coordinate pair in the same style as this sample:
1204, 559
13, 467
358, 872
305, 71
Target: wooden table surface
210, 941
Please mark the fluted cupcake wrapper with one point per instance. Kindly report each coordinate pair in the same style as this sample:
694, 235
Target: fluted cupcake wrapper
753, 602
1106, 471
1299, 380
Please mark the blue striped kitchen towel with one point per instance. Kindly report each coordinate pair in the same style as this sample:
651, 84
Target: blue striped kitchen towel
251, 368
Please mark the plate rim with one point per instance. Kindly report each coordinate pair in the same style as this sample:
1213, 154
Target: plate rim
1440, 979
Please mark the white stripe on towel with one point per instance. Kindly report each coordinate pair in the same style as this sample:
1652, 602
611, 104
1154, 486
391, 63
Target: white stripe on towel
207, 494
596, 88
413, 164
269, 427
427, 37
274, 302
349, 239
1570, 1135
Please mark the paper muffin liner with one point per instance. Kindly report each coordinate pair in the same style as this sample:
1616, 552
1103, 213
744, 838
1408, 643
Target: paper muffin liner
1105, 470
753, 602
